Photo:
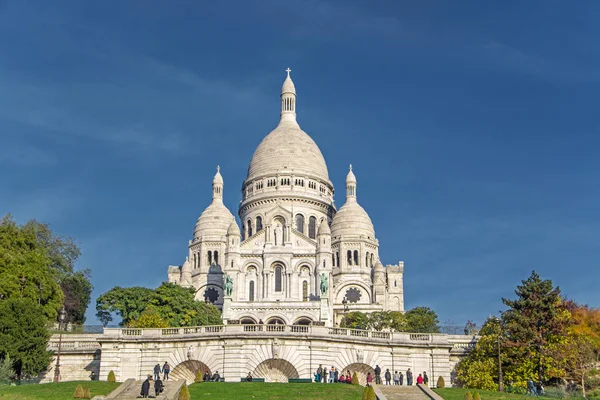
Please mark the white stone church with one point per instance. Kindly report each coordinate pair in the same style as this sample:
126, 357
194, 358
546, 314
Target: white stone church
297, 260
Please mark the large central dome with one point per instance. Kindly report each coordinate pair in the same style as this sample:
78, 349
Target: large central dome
288, 149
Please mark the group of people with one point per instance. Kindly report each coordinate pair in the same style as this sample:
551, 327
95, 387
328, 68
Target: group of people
332, 375
397, 377
534, 389
214, 378
158, 383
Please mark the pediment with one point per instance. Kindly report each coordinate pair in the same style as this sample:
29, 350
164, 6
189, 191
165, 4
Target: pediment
299, 240
256, 241
279, 210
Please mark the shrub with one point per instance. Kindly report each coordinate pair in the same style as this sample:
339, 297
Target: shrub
440, 383
184, 393
86, 393
355, 379
476, 396
369, 393
78, 392
111, 376
468, 396
559, 392
198, 377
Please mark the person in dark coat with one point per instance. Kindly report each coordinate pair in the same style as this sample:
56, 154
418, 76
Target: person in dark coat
409, 377
146, 388
388, 377
377, 375
401, 378
216, 377
157, 372
425, 378
166, 369
158, 386
206, 377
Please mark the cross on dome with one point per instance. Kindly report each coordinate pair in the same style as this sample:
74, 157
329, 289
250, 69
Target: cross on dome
288, 70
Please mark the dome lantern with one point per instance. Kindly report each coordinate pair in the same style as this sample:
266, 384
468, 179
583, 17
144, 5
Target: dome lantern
288, 99
350, 185
217, 186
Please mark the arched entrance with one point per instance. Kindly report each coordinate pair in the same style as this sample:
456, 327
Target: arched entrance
303, 321
275, 321
361, 370
275, 370
187, 370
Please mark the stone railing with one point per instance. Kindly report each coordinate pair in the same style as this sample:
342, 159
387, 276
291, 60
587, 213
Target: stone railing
79, 343
462, 343
418, 339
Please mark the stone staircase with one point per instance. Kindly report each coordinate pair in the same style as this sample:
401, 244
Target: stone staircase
392, 392
130, 389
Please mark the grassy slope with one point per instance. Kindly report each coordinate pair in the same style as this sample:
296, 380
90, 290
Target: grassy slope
53, 391
275, 391
459, 394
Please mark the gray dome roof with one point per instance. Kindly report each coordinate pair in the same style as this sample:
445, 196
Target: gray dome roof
288, 149
352, 221
234, 229
214, 221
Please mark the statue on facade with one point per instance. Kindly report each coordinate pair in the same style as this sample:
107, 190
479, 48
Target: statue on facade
228, 285
324, 283
190, 352
360, 357
275, 348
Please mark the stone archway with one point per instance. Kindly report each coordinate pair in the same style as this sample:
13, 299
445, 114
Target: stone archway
361, 370
187, 370
275, 370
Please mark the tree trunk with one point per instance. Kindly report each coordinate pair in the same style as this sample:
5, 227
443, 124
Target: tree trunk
583, 383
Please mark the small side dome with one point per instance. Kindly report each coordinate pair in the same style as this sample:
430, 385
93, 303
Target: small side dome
379, 266
234, 229
352, 221
214, 221
324, 229
288, 84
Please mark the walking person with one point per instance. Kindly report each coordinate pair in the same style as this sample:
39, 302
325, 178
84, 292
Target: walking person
146, 387
377, 375
331, 374
396, 378
166, 369
158, 386
409, 377
157, 372
388, 377
401, 378
425, 378
319, 373
336, 376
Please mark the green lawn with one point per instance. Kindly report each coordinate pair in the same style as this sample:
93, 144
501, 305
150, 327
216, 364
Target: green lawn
275, 391
54, 391
459, 394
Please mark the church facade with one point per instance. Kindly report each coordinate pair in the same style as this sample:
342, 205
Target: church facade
295, 259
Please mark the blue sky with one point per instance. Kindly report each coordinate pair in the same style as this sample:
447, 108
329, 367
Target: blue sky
472, 128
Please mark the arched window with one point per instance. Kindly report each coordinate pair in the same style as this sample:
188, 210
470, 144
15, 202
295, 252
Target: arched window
367, 260
355, 257
251, 291
395, 283
216, 256
349, 257
278, 278
372, 259
258, 224
243, 231
209, 259
249, 228
333, 260
312, 227
337, 258
300, 223
304, 291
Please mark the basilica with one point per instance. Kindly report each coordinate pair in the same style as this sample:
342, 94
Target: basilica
295, 259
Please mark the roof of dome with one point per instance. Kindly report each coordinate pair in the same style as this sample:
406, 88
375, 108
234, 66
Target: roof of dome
234, 229
288, 86
324, 229
352, 221
379, 266
218, 178
288, 149
214, 220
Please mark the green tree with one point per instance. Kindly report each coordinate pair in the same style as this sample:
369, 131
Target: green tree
422, 319
356, 320
23, 336
36, 263
77, 289
150, 318
536, 324
175, 305
7, 371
